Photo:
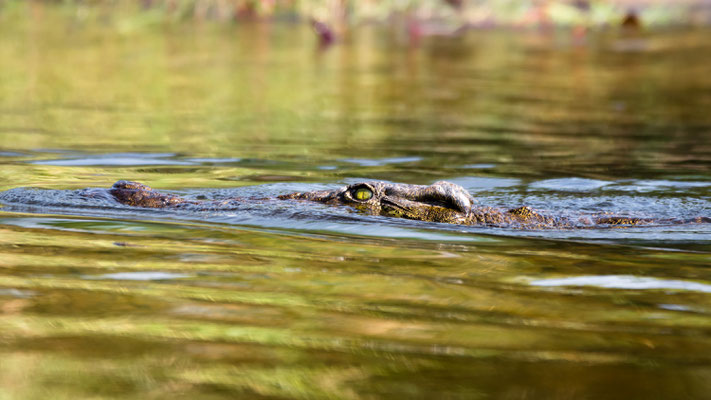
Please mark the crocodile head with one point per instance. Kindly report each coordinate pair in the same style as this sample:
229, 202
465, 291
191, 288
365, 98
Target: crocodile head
440, 202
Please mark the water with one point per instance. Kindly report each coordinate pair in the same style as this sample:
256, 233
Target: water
293, 300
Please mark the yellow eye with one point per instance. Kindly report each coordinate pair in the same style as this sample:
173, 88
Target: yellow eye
363, 194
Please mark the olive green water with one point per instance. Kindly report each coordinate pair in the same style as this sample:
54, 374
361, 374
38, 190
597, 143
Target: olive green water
303, 301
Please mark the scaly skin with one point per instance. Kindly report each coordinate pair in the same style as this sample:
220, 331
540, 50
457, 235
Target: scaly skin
440, 202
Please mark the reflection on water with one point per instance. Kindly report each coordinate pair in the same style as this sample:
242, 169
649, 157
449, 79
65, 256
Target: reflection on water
624, 282
115, 160
570, 184
139, 276
277, 299
364, 162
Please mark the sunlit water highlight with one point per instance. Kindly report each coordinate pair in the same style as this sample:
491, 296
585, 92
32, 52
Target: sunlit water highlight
624, 282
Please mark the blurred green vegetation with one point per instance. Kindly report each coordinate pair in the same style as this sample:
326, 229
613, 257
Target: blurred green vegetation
129, 14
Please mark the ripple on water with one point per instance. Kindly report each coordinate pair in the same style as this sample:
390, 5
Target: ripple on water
18, 293
659, 185
570, 184
630, 282
116, 159
479, 166
10, 154
139, 276
213, 160
479, 183
378, 162
676, 307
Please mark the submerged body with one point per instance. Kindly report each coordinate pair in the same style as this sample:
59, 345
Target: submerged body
440, 202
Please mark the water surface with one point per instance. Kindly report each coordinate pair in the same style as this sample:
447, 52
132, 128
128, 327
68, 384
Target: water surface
293, 300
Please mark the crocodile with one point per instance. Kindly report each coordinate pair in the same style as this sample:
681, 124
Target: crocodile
441, 201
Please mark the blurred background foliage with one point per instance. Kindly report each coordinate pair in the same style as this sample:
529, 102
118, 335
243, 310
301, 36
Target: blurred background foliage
436, 15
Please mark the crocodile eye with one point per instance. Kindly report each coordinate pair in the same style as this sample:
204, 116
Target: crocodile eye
363, 194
